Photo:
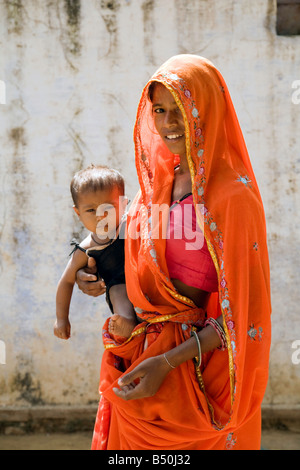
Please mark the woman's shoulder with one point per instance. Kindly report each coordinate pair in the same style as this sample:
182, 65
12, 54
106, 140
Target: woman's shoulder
239, 202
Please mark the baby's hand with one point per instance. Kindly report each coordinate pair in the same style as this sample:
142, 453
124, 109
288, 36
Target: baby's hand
62, 329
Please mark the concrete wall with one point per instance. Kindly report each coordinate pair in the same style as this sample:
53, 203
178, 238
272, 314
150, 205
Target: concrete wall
74, 71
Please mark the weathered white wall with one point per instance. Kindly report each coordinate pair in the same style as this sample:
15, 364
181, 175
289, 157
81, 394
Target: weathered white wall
73, 80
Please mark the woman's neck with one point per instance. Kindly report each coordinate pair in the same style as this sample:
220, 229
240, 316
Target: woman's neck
182, 184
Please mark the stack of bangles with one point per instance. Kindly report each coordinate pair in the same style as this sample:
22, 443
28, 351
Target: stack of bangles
220, 332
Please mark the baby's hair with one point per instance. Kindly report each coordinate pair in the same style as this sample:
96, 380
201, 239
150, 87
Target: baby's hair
96, 178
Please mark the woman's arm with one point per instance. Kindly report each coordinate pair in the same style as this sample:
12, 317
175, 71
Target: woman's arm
209, 340
154, 370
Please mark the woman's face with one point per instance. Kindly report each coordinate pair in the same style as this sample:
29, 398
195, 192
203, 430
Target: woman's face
168, 119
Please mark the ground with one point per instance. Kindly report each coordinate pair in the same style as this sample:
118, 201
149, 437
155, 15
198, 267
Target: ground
271, 440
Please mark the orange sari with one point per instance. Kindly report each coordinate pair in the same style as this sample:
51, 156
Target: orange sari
217, 406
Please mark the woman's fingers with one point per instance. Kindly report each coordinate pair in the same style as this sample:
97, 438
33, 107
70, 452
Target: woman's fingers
129, 378
151, 373
92, 288
131, 392
86, 280
126, 392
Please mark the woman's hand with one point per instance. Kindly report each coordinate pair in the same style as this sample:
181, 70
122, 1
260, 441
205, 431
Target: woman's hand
151, 374
86, 280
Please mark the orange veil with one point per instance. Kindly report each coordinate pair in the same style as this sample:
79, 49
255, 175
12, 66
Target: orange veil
217, 407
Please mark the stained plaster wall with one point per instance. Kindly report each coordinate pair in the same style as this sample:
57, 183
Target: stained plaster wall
74, 71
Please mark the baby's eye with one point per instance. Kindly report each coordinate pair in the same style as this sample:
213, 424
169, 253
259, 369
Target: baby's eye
91, 210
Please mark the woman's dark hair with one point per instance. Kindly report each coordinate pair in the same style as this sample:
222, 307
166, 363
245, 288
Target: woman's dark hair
96, 178
151, 90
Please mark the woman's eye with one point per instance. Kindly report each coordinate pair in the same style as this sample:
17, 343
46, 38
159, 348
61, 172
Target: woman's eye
158, 110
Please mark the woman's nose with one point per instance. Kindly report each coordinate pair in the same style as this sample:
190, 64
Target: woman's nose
170, 118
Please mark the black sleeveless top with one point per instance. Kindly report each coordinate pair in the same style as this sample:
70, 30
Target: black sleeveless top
110, 262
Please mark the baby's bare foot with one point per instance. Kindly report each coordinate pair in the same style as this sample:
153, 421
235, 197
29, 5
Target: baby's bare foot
121, 326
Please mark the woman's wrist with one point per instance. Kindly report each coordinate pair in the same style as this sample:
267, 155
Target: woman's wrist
168, 362
209, 340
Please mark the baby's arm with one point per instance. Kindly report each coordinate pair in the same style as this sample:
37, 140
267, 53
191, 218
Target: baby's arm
62, 327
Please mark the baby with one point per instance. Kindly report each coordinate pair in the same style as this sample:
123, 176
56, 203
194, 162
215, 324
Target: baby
99, 202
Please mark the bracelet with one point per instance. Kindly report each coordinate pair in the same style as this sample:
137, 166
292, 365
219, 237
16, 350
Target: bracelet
198, 360
219, 330
166, 359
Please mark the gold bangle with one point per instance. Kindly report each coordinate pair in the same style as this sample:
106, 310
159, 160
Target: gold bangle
198, 363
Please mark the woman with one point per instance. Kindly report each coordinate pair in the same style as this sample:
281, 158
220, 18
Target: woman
153, 395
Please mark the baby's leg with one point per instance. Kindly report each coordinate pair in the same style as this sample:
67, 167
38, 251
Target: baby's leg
123, 321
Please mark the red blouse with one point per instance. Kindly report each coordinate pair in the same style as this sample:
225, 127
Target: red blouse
187, 254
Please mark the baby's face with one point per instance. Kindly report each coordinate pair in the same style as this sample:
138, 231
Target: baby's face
101, 211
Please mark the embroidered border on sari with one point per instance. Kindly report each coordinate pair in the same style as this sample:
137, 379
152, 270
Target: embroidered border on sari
210, 247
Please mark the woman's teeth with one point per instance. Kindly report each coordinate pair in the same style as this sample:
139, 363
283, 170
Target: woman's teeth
173, 136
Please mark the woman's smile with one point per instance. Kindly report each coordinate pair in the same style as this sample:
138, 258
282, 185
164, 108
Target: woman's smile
168, 119
174, 137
